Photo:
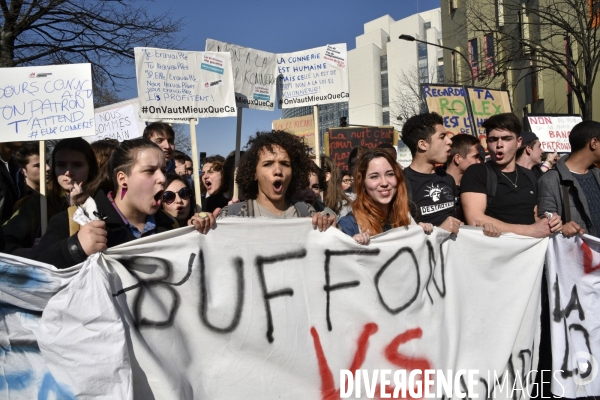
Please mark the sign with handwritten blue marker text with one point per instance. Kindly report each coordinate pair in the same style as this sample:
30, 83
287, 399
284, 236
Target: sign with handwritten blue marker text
253, 75
46, 102
311, 77
184, 84
485, 103
451, 103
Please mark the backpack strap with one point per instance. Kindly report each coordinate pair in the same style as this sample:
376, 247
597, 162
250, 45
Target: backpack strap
566, 204
491, 183
529, 174
302, 209
73, 226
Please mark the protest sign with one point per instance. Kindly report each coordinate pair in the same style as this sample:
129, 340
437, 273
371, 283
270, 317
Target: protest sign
184, 84
280, 315
451, 103
313, 77
46, 102
554, 131
254, 75
485, 103
118, 121
573, 275
339, 142
303, 127
404, 156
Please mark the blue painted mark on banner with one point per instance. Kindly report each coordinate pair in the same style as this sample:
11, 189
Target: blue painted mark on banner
50, 386
262, 97
21, 276
212, 68
16, 382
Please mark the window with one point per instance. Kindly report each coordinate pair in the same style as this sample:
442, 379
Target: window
423, 63
453, 5
383, 63
385, 116
427, 25
520, 35
385, 94
500, 13
488, 50
440, 73
474, 58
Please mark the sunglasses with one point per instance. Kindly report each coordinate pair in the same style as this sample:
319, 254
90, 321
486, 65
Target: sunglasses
494, 139
347, 180
184, 194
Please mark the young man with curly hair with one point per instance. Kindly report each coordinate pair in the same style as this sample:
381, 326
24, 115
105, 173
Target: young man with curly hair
275, 167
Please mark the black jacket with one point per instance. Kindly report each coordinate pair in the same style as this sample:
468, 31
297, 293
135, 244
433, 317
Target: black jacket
62, 251
10, 190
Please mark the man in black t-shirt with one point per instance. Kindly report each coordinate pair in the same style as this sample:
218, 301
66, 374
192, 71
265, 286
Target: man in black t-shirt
513, 207
432, 190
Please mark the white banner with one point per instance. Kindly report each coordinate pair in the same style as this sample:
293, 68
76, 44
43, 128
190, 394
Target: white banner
279, 315
553, 131
254, 75
573, 274
184, 84
118, 121
311, 77
46, 103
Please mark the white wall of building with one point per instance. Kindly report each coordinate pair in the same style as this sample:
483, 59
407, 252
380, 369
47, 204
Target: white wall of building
380, 38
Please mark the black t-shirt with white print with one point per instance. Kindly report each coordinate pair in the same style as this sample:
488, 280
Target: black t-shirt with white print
433, 194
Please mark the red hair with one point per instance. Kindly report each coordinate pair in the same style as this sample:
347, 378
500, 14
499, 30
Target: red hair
368, 215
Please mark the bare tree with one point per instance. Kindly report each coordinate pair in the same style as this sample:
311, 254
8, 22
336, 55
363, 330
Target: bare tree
407, 99
182, 139
557, 38
103, 33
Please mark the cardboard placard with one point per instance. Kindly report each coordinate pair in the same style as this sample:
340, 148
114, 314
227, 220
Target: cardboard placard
303, 126
339, 142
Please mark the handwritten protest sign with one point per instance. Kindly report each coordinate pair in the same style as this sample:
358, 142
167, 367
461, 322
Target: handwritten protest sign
451, 103
554, 131
47, 102
118, 121
339, 142
573, 274
184, 84
280, 315
485, 103
404, 156
303, 126
311, 77
254, 74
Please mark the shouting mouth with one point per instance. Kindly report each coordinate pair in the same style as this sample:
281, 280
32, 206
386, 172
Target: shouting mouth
278, 187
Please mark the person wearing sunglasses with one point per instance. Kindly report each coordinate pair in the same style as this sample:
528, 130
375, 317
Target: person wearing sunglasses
128, 194
177, 199
510, 204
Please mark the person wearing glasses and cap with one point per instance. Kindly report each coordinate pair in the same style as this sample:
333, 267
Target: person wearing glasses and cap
509, 200
178, 199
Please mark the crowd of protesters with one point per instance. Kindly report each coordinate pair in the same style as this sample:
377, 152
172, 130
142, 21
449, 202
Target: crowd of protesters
145, 186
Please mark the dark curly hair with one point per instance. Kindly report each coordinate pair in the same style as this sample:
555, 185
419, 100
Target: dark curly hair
297, 151
420, 127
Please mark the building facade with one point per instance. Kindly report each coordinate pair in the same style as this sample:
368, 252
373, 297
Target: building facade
498, 38
385, 72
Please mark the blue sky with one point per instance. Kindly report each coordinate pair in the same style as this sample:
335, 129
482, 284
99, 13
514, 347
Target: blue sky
273, 26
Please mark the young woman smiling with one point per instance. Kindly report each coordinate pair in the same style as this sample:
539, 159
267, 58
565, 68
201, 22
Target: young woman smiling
274, 168
135, 176
381, 198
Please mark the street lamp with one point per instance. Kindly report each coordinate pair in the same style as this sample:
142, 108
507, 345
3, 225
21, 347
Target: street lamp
413, 39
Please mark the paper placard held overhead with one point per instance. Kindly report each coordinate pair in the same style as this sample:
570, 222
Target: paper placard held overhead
254, 75
184, 84
46, 102
118, 121
554, 131
311, 77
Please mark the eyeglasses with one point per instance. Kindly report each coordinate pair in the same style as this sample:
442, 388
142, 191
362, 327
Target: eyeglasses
184, 194
347, 180
494, 139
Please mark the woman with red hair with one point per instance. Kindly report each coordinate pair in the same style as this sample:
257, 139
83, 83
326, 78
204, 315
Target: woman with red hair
381, 198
